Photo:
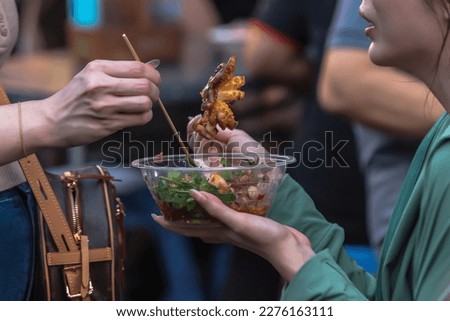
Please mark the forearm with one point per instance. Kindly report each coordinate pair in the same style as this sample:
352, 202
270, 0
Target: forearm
106, 96
32, 138
267, 58
198, 17
378, 97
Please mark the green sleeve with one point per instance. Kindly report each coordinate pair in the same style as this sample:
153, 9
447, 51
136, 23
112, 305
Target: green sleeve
331, 273
432, 280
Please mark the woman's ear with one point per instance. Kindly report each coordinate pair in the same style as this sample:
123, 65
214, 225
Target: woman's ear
9, 28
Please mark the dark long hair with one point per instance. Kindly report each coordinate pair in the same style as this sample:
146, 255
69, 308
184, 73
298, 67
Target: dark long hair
447, 31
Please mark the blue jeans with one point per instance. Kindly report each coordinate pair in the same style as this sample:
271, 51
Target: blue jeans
17, 242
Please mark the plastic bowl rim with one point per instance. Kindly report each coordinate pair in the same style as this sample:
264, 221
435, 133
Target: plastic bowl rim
280, 160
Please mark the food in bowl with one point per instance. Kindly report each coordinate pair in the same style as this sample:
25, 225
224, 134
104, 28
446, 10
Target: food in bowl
244, 182
218, 96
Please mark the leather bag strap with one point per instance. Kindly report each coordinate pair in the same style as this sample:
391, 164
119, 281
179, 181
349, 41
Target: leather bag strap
55, 219
48, 203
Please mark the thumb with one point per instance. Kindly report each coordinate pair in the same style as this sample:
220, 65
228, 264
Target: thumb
216, 208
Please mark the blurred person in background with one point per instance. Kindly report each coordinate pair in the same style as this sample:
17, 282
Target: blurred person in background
390, 109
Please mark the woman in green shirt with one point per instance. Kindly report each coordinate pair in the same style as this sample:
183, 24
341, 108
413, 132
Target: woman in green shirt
305, 248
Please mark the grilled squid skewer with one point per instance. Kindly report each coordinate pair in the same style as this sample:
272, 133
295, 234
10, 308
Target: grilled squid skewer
218, 96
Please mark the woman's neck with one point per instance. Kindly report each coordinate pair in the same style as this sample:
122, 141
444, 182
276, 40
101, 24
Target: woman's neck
440, 87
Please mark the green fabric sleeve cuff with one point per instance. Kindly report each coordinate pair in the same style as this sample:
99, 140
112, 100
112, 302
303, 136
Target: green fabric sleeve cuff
321, 278
293, 207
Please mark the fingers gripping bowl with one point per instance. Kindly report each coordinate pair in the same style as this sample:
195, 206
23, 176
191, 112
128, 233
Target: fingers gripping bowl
244, 182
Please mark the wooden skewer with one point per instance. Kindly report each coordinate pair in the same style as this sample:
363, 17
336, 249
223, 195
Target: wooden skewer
163, 108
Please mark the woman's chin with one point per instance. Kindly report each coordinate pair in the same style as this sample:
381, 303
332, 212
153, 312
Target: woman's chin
379, 58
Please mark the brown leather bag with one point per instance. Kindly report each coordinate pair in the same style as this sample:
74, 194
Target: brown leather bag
81, 232
95, 216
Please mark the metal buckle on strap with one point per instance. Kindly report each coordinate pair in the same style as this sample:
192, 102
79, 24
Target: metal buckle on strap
78, 295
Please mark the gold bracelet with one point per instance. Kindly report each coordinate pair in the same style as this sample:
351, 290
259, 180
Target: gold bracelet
22, 143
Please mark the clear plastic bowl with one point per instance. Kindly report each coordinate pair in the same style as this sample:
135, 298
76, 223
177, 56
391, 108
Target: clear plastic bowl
244, 182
